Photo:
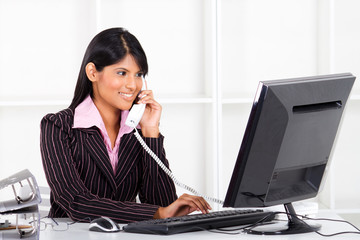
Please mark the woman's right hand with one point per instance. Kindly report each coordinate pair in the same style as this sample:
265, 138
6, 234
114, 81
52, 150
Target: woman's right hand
184, 205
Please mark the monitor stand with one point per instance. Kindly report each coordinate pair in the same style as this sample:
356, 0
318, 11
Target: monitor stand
294, 226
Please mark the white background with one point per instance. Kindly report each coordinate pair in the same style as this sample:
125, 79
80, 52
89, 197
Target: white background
205, 57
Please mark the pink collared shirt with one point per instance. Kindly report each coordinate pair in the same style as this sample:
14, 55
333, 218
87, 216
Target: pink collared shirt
87, 115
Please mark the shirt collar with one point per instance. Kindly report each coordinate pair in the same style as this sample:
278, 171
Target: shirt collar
87, 115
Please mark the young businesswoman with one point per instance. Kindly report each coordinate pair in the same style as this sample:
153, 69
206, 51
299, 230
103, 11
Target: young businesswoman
93, 163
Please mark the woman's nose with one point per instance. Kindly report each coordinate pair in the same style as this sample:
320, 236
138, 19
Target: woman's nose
130, 83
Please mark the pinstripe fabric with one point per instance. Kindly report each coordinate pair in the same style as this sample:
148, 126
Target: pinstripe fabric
81, 178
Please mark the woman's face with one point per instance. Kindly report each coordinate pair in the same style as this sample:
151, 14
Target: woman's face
117, 86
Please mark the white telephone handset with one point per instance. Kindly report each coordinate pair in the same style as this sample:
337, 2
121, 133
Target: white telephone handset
133, 120
136, 112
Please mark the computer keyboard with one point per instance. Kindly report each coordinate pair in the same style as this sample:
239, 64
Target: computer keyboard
196, 222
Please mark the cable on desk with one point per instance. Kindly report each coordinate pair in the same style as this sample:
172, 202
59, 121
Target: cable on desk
332, 220
262, 222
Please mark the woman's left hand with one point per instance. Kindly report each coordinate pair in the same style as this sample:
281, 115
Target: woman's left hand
149, 123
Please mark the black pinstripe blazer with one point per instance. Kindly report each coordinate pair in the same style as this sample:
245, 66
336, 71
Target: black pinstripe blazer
82, 182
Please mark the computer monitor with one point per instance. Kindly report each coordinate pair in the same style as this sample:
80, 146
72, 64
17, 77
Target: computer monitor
287, 143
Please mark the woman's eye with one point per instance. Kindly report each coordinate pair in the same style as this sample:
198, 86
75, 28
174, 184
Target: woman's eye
122, 73
139, 75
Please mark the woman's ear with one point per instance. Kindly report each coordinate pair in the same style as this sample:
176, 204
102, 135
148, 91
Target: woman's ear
91, 71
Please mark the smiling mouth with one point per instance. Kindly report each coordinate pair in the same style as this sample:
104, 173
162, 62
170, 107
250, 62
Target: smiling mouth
126, 94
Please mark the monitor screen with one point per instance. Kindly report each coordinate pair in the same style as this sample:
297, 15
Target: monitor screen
288, 140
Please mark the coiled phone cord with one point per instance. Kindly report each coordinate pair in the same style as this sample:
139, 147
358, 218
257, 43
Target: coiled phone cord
169, 173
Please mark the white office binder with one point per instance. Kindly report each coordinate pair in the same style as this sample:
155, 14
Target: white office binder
25, 189
21, 206
23, 223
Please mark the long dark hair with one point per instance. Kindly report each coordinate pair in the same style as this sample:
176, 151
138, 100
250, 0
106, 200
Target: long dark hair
106, 48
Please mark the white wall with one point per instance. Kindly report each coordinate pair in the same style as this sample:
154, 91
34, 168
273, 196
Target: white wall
206, 58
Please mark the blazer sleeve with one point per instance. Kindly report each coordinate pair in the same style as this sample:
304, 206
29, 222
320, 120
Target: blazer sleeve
157, 186
68, 190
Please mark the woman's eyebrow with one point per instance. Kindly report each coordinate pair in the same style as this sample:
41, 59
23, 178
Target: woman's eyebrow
120, 68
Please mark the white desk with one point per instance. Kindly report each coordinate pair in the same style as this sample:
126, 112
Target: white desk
79, 231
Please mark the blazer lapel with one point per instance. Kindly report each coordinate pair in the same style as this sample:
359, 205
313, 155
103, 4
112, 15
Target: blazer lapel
128, 156
97, 150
